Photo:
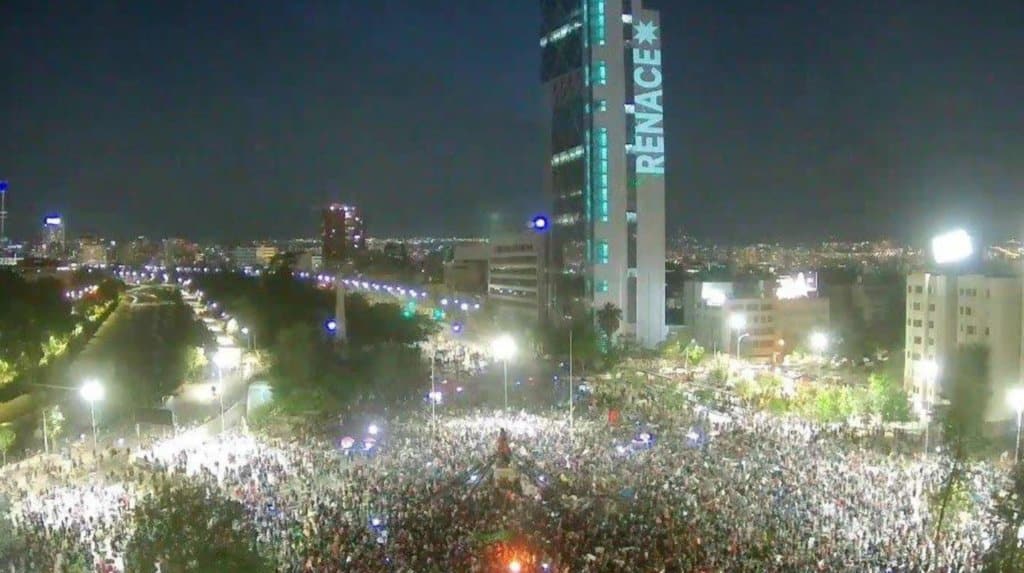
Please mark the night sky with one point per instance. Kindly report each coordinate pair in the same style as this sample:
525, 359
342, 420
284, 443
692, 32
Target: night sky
785, 120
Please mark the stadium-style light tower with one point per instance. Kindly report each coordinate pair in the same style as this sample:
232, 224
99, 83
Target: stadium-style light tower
504, 348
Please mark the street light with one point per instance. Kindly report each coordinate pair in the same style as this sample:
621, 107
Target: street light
738, 322
930, 369
373, 429
952, 247
219, 393
819, 342
1016, 399
504, 348
92, 391
248, 335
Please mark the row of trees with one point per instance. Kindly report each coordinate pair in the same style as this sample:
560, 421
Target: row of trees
883, 399
310, 372
37, 320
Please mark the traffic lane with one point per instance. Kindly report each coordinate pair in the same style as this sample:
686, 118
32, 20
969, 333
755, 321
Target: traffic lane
198, 402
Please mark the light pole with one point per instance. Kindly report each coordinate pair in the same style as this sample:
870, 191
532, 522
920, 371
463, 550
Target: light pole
931, 373
504, 348
819, 344
1016, 399
738, 322
220, 398
248, 334
572, 403
433, 391
92, 391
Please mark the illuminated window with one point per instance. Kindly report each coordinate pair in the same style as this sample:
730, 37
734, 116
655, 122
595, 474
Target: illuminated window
601, 105
601, 286
596, 9
602, 252
600, 74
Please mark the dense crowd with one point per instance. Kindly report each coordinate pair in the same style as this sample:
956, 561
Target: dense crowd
760, 495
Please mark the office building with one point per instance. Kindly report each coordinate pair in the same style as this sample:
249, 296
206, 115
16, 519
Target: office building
52, 242
92, 252
515, 277
343, 234
949, 311
466, 272
605, 172
253, 256
759, 320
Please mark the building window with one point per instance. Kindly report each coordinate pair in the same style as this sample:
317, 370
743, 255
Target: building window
908, 322
931, 342
910, 289
970, 330
917, 340
917, 323
601, 286
917, 306
931, 307
600, 73
986, 331
601, 105
961, 311
916, 356
602, 252
967, 310
596, 8
931, 324
600, 173
918, 289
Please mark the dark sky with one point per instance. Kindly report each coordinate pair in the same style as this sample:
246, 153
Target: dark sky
785, 120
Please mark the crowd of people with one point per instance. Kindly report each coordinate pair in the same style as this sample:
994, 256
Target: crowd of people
758, 494
689, 489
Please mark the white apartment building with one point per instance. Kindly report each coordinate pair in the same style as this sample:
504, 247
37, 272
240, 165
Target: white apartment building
773, 325
515, 277
945, 312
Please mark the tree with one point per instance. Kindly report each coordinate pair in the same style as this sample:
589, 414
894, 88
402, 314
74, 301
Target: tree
608, 318
1006, 555
966, 386
887, 398
54, 422
695, 354
195, 364
189, 528
7, 437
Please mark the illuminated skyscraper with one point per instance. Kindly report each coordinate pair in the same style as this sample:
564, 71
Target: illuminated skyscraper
52, 240
343, 234
601, 69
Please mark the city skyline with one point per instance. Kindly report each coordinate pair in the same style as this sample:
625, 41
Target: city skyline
824, 118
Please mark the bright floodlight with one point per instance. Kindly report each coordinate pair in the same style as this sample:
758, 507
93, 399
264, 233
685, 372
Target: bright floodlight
737, 322
515, 567
331, 325
503, 347
952, 247
224, 358
92, 391
1016, 399
930, 369
245, 330
373, 429
464, 306
819, 341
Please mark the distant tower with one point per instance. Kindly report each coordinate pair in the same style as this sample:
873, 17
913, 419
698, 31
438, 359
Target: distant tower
3, 212
343, 234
